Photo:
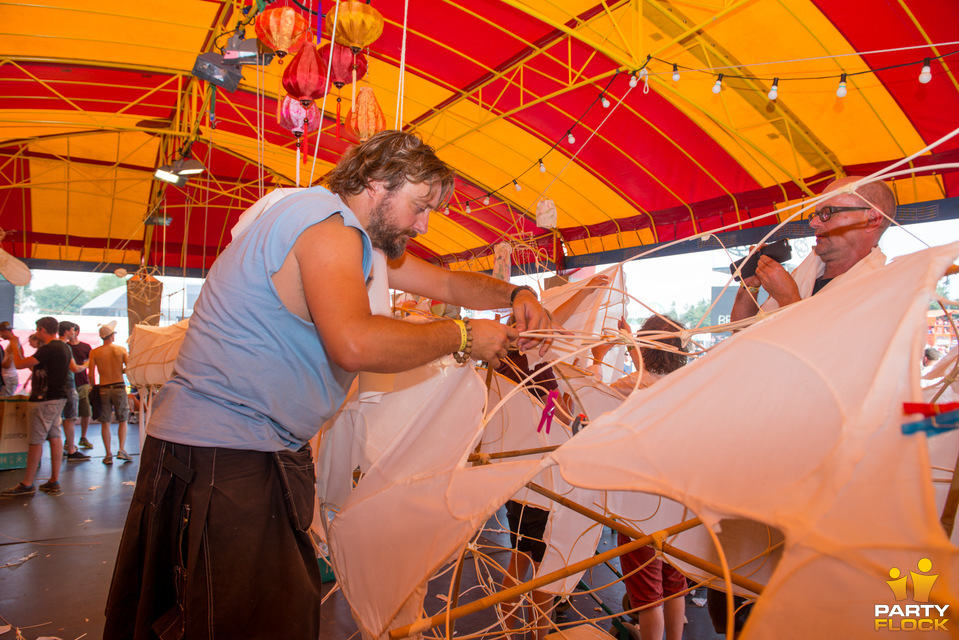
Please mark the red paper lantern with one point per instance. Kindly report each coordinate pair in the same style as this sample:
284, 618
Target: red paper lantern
282, 29
343, 61
365, 119
305, 78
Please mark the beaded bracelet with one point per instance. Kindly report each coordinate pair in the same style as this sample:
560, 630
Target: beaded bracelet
462, 355
752, 290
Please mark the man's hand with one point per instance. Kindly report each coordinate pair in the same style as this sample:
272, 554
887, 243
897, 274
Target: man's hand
490, 340
776, 281
531, 316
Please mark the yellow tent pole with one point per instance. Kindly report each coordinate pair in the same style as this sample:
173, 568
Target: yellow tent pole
424, 624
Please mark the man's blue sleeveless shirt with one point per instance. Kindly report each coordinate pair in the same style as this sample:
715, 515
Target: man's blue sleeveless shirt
251, 374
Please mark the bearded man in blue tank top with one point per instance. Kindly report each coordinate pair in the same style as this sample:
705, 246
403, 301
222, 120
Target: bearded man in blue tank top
216, 542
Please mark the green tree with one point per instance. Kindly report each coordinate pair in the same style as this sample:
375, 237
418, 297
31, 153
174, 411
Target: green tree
106, 282
59, 298
693, 313
942, 290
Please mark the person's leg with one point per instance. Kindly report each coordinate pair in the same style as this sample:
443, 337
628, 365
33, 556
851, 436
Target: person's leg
121, 408
542, 612
56, 458
674, 589
84, 411
675, 617
34, 451
105, 434
105, 410
513, 609
651, 623
52, 412
68, 436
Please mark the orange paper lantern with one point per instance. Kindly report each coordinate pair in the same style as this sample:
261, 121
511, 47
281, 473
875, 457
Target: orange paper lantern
283, 29
365, 119
358, 24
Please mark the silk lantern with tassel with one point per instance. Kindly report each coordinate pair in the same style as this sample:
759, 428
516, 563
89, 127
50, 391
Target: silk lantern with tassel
347, 67
282, 29
366, 118
305, 77
358, 25
299, 120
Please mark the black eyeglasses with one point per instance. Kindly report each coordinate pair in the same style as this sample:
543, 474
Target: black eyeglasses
825, 213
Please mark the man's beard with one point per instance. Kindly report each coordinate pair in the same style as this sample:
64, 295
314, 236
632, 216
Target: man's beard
384, 235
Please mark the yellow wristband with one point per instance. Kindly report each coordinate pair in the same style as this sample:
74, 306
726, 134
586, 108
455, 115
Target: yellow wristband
752, 290
464, 335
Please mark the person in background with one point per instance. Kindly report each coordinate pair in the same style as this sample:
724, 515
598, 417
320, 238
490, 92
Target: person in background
10, 379
81, 355
48, 394
107, 365
847, 228
65, 331
648, 579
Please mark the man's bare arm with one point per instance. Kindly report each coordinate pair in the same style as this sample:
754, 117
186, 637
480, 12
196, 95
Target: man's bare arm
470, 290
19, 361
329, 256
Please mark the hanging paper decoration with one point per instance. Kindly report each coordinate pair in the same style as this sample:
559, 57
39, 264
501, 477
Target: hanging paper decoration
305, 77
299, 120
502, 263
546, 214
344, 61
365, 119
282, 29
358, 25
348, 67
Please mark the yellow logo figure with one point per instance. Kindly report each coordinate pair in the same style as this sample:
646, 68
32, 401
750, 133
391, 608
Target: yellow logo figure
897, 584
922, 584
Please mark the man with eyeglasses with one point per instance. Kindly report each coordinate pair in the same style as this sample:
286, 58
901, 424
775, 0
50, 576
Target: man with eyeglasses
847, 228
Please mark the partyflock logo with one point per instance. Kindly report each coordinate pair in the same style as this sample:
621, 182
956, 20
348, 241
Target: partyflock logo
920, 616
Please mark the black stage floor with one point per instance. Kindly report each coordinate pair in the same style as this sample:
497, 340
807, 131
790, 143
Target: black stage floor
57, 555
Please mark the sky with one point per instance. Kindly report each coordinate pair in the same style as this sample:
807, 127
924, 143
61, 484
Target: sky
659, 282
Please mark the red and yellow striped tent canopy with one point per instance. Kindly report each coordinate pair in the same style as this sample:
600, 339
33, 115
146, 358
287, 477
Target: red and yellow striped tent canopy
95, 95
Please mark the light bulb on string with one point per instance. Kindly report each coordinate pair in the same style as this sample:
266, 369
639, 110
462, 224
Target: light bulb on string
570, 137
446, 211
774, 92
719, 84
468, 208
603, 100
675, 72
841, 91
542, 167
633, 80
486, 200
926, 75
516, 184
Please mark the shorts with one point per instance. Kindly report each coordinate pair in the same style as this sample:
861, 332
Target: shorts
70, 408
43, 420
528, 524
114, 397
10, 384
83, 406
655, 581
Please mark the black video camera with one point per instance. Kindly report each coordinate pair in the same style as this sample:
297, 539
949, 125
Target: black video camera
779, 251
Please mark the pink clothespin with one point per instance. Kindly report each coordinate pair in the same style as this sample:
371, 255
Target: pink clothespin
548, 410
